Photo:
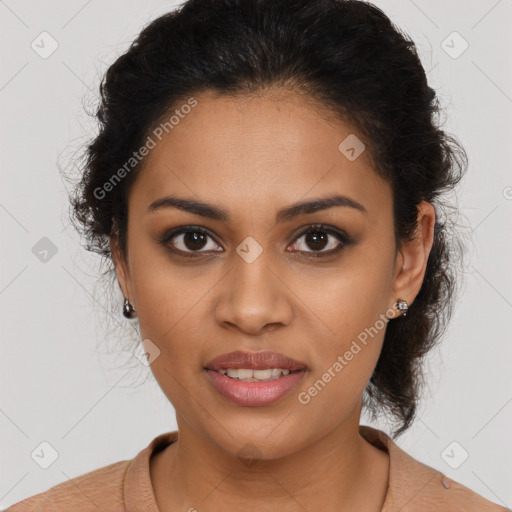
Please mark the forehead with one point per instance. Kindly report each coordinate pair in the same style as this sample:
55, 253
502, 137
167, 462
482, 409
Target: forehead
249, 151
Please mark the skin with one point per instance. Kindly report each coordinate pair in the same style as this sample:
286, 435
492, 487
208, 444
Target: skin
253, 156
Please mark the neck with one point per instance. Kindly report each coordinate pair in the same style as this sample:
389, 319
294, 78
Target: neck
339, 471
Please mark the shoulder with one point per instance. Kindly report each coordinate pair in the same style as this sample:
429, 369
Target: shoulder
417, 487
101, 489
427, 489
441, 493
124, 485
432, 491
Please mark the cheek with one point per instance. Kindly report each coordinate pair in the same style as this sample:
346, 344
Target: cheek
170, 314
353, 297
173, 313
344, 362
353, 305
165, 294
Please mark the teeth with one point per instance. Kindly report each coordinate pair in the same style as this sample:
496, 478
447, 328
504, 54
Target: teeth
240, 373
249, 375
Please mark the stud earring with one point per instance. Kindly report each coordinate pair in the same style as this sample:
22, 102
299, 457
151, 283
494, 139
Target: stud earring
127, 309
402, 306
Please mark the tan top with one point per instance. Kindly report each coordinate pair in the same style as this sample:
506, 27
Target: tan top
125, 486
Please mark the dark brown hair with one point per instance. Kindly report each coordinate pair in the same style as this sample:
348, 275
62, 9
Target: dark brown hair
345, 54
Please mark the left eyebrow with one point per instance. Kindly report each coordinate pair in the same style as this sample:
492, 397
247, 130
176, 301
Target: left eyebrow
315, 205
285, 214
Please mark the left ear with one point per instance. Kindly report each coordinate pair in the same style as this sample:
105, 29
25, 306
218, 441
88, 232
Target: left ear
411, 260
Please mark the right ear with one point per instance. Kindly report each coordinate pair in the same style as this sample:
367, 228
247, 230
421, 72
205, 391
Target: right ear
121, 265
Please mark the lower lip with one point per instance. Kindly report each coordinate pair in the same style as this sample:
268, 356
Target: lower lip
254, 393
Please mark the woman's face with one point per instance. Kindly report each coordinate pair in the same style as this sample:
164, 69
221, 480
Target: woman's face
256, 281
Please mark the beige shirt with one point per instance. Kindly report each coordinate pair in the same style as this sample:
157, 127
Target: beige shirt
125, 486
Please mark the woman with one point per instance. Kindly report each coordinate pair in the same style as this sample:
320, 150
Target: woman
267, 183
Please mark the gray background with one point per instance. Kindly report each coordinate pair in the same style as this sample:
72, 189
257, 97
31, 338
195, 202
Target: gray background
60, 382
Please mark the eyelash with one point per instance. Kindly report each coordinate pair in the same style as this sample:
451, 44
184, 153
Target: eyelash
342, 237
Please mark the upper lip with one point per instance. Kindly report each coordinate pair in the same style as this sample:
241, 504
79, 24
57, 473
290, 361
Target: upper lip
255, 361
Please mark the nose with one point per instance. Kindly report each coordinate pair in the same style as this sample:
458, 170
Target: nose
253, 297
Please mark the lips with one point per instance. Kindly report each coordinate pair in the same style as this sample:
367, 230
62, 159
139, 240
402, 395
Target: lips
251, 392
255, 361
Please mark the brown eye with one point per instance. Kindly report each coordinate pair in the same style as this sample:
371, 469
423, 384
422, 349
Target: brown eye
190, 239
317, 240
194, 240
321, 240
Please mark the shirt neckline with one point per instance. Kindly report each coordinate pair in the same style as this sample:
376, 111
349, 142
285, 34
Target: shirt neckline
138, 490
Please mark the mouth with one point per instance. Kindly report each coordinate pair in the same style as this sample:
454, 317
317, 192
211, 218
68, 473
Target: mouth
265, 360
251, 375
254, 379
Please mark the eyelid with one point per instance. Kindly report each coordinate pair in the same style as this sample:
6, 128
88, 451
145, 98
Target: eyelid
173, 232
343, 238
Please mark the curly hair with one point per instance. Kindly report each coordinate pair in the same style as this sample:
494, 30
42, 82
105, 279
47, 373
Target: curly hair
349, 57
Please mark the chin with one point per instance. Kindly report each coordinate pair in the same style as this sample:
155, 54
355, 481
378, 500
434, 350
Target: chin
254, 439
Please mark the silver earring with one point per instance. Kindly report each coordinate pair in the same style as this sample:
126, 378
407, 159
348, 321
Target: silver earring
127, 309
402, 306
